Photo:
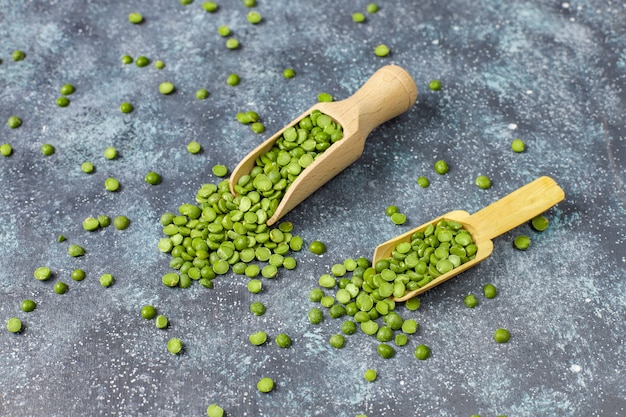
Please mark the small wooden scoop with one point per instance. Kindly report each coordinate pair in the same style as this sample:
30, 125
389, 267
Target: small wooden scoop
505, 214
388, 93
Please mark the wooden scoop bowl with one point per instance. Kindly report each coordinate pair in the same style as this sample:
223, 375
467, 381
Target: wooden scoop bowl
505, 214
389, 92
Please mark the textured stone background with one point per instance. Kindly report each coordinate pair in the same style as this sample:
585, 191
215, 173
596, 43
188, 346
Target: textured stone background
549, 72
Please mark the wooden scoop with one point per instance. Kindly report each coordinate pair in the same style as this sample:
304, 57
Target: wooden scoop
505, 214
388, 93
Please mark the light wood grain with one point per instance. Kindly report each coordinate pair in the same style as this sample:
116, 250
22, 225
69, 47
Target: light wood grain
505, 214
389, 92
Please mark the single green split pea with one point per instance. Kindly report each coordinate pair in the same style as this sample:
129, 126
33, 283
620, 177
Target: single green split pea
28, 305
14, 325
135, 17
14, 122
381, 50
60, 287
42, 273
126, 107
166, 87
47, 149
215, 410
502, 335
6, 149
106, 280
174, 345
434, 85
265, 385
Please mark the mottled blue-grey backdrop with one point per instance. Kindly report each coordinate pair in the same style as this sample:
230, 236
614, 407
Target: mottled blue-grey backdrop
549, 72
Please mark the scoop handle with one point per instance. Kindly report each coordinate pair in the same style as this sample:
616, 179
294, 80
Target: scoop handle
516, 208
388, 93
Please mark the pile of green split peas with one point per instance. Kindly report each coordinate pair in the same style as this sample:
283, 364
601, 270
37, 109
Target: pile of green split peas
367, 297
223, 232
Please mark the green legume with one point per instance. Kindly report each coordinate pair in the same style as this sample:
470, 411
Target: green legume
127, 59
111, 184
210, 6
106, 280
358, 17
441, 167
42, 273
521, 242
265, 385
202, 94
110, 153
60, 287
409, 326
370, 375
401, 339
193, 147
257, 127
158, 64
422, 352
249, 3
283, 340
121, 222
105, 221
14, 122
258, 338
502, 336
254, 17
126, 107
6, 149
337, 341
324, 98
174, 345
28, 305
91, 224
398, 218
214, 410
470, 301
18, 55
381, 50
153, 178
14, 325
518, 145
67, 89
423, 182
166, 87
232, 43
539, 223
47, 149
87, 167
135, 18
348, 327
223, 30
257, 308
315, 315
161, 322
318, 248
255, 286
482, 181
385, 351
63, 101
61, 238
142, 61
289, 73
75, 250
78, 275
489, 291
148, 312
233, 79
372, 8
220, 170
434, 85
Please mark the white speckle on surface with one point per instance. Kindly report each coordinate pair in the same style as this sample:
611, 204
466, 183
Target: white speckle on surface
512, 126
575, 368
